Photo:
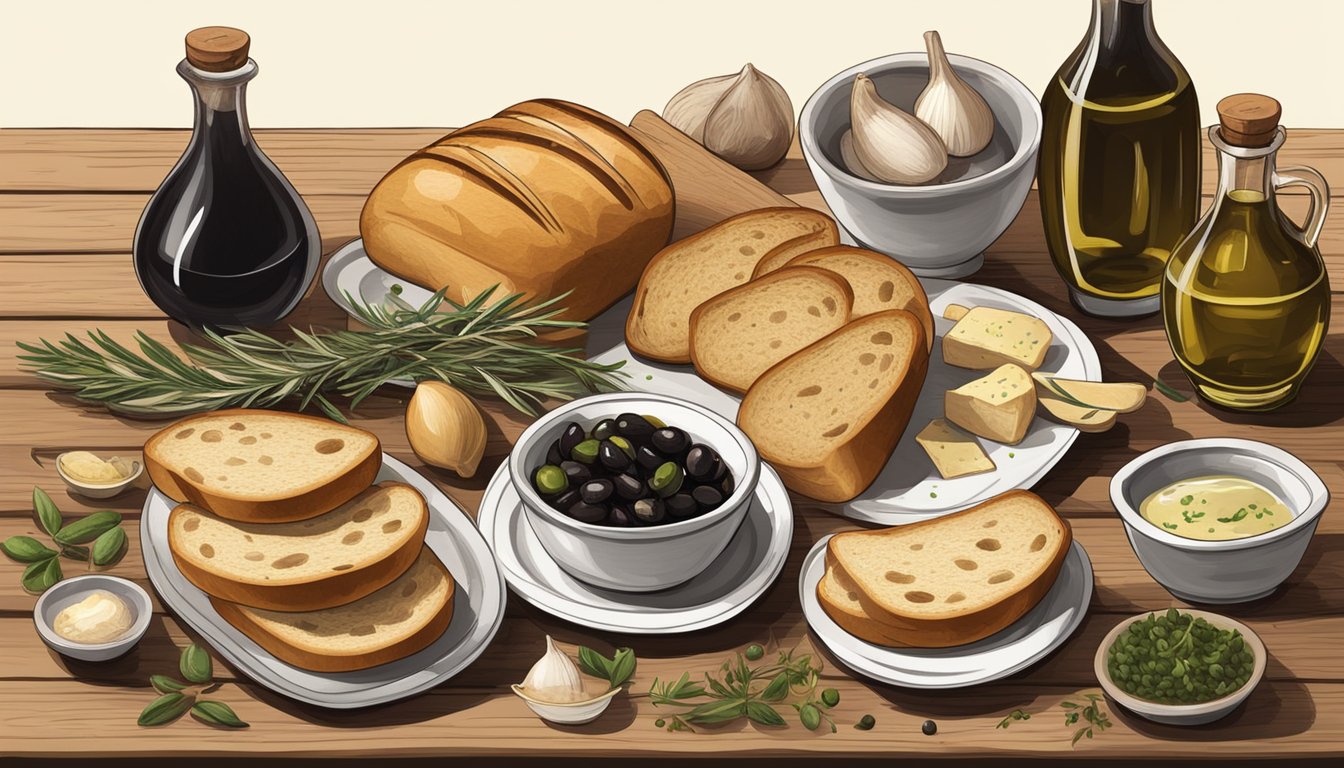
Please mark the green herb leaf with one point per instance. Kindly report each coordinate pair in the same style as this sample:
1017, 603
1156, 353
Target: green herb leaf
165, 709
88, 528
716, 712
1165, 389
622, 667
40, 576
217, 713
593, 663
764, 714
777, 689
195, 664
44, 509
74, 552
109, 547
166, 684
26, 549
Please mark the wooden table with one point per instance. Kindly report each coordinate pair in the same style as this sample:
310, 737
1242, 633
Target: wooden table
69, 201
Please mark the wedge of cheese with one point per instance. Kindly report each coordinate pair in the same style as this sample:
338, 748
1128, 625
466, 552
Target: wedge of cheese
985, 337
953, 452
999, 406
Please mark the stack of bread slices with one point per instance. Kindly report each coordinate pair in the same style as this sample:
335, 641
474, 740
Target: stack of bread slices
279, 524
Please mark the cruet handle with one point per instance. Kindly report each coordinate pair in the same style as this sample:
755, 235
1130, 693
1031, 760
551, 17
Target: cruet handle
1301, 176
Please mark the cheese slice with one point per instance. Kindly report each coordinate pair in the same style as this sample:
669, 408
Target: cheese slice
985, 337
954, 453
999, 406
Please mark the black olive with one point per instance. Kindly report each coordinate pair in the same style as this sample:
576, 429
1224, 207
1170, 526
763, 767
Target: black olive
648, 458
634, 427
620, 517
553, 453
649, 511
572, 436
576, 472
587, 513
670, 440
565, 500
929, 728
720, 468
629, 487
596, 491
681, 506
700, 461
727, 486
604, 429
707, 496
612, 457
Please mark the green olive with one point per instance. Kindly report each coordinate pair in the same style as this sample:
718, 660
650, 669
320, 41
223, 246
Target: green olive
586, 451
810, 716
866, 723
550, 480
655, 421
667, 479
754, 652
623, 444
830, 697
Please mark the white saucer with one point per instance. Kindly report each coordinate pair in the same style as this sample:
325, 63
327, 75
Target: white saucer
742, 573
1023, 643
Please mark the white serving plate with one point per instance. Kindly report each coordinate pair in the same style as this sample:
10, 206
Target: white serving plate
1018, 646
478, 609
909, 488
742, 573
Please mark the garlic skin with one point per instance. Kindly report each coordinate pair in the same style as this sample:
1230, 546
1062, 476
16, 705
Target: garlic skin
554, 678
891, 144
851, 160
445, 428
951, 107
746, 118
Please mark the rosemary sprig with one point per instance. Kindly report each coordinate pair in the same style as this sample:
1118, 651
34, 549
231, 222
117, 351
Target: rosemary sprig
481, 347
743, 690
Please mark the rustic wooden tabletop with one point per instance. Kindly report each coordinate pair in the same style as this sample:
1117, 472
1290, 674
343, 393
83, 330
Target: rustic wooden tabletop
69, 202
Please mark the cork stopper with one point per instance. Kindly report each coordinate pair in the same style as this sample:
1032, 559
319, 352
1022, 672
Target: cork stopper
217, 49
1248, 119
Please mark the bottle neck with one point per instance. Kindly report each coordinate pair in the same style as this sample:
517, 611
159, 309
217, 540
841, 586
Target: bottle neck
1114, 21
221, 99
1245, 174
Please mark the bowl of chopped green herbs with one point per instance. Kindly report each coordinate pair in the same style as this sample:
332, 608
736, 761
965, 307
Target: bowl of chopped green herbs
1180, 667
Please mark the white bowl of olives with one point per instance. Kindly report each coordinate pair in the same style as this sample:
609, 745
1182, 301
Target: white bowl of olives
632, 491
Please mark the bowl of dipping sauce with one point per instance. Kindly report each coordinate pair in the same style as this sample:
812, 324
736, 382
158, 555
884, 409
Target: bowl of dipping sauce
92, 618
1219, 520
87, 474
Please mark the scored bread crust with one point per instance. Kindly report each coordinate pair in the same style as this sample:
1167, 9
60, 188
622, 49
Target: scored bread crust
964, 627
313, 594
706, 372
317, 497
319, 661
851, 466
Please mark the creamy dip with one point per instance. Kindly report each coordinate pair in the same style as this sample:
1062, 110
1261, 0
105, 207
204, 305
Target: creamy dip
1215, 508
101, 617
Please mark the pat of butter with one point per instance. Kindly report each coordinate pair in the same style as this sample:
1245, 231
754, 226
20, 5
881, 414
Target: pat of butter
999, 406
101, 617
88, 468
954, 453
986, 337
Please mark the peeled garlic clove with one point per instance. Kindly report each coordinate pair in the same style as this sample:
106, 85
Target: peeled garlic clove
890, 143
445, 428
851, 160
688, 110
751, 125
555, 677
952, 108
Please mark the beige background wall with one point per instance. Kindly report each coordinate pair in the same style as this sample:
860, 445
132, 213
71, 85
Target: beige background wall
409, 63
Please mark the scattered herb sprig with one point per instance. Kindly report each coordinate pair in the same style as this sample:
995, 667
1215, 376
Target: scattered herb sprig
178, 698
617, 670
1166, 389
97, 539
1093, 716
1016, 715
482, 347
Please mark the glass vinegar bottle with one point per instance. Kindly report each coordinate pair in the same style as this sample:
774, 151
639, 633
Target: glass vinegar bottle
1245, 296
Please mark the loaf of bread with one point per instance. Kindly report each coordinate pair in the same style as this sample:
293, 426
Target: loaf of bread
947, 581
392, 623
829, 416
261, 466
688, 272
738, 334
326, 561
543, 198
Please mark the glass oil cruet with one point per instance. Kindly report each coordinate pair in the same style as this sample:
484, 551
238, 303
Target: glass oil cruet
1246, 299
1118, 169
225, 240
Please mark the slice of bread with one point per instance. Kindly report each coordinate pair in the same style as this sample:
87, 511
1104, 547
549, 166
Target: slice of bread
958, 578
686, 273
879, 282
262, 466
839, 598
738, 334
322, 562
392, 623
829, 416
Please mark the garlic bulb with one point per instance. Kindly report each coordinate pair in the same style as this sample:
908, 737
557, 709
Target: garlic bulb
746, 118
951, 107
554, 678
891, 144
851, 160
445, 428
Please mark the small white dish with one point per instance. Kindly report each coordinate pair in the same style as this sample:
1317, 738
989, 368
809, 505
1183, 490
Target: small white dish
63, 594
748, 566
574, 713
1010, 650
1182, 714
1234, 570
100, 490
